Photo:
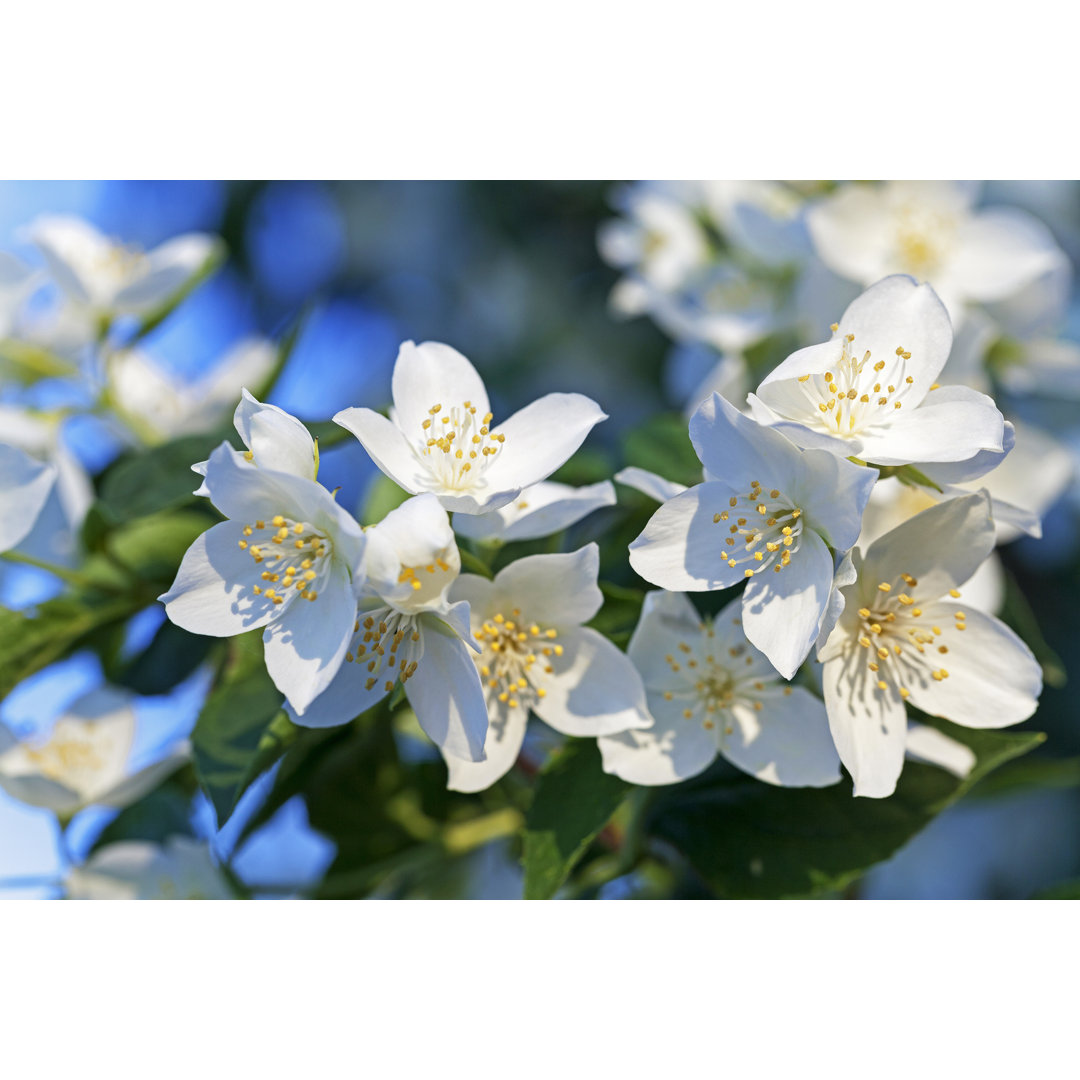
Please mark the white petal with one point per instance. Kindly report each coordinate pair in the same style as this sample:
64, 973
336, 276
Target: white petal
24, 488
667, 620
41, 791
782, 613
868, 725
950, 426
387, 447
849, 233
999, 251
973, 468
648, 483
679, 549
787, 742
675, 748
506, 733
278, 441
212, 593
446, 695
432, 374
166, 270
540, 438
738, 449
344, 699
927, 744
306, 645
833, 493
993, 679
71, 247
539, 510
594, 688
844, 574
553, 590
941, 547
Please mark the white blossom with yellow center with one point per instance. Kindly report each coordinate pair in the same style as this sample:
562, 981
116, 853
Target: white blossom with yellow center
285, 560
441, 436
906, 635
931, 230
108, 278
405, 630
84, 760
179, 869
871, 391
711, 692
537, 656
770, 513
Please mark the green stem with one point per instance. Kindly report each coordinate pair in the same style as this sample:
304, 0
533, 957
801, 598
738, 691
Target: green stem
472, 562
72, 577
633, 839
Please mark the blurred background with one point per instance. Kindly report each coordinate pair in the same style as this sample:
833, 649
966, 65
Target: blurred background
511, 274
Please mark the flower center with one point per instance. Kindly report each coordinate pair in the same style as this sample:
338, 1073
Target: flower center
714, 683
921, 239
61, 757
898, 640
293, 555
515, 651
857, 394
385, 641
764, 528
457, 445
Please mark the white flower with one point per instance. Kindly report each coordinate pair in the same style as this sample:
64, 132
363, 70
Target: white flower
168, 407
760, 216
17, 281
179, 869
84, 761
284, 561
711, 692
274, 439
540, 510
537, 655
441, 439
25, 485
405, 629
768, 511
930, 230
870, 391
107, 278
903, 636
659, 242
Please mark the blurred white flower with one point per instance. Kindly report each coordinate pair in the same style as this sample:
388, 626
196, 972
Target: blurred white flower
167, 407
25, 485
107, 278
17, 281
711, 692
84, 761
540, 510
870, 391
179, 869
931, 230
285, 560
406, 630
768, 511
903, 636
440, 437
536, 655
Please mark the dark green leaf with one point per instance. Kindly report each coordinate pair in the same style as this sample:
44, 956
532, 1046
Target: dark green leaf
232, 724
151, 547
574, 800
162, 813
662, 445
749, 839
172, 655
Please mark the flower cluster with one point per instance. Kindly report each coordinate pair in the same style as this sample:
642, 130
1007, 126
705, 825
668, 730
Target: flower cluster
349, 613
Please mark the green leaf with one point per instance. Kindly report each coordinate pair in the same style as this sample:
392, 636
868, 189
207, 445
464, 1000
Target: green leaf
574, 800
662, 445
31, 640
27, 362
151, 547
1065, 890
162, 813
232, 724
172, 655
382, 496
148, 481
1017, 612
747, 839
